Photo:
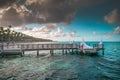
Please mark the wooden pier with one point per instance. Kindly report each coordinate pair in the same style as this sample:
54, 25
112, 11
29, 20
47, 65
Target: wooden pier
19, 49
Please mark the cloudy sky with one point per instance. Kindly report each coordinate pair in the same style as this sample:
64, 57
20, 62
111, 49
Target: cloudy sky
63, 20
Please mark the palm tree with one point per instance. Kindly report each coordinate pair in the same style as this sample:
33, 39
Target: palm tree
9, 32
18, 36
7, 35
2, 33
12, 35
15, 35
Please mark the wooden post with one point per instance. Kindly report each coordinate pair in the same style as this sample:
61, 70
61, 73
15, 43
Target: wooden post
47, 46
32, 46
42, 46
76, 51
62, 45
37, 46
69, 50
27, 46
22, 46
63, 51
37, 52
2, 46
23, 52
72, 51
50, 46
51, 52
18, 46
103, 51
66, 52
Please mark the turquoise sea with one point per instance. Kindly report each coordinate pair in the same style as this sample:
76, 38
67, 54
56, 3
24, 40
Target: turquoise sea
63, 67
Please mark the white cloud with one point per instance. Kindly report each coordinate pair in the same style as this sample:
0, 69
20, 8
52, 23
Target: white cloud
46, 28
117, 30
47, 31
17, 28
94, 33
73, 33
58, 33
108, 35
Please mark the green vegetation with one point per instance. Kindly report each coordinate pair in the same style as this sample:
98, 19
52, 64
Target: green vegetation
6, 35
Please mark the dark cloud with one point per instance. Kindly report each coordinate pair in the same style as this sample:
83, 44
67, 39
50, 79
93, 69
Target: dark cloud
6, 3
44, 11
11, 17
113, 17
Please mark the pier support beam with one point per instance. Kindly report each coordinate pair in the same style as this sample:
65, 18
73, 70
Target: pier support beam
66, 52
102, 51
51, 52
72, 51
77, 51
37, 52
23, 52
63, 51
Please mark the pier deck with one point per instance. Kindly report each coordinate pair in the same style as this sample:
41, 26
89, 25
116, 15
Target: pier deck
19, 49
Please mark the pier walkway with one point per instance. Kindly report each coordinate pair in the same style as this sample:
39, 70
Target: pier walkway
19, 49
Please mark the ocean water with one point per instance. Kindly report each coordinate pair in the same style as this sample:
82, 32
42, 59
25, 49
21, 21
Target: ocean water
63, 67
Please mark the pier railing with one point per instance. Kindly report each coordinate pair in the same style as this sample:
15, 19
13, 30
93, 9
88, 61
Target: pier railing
39, 46
21, 48
44, 46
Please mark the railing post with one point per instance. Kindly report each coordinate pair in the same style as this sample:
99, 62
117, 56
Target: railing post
2, 46
23, 46
76, 46
50, 46
62, 45
27, 46
18, 46
37, 46
42, 46
47, 46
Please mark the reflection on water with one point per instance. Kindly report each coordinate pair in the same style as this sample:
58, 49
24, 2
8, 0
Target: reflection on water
62, 67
